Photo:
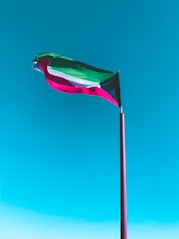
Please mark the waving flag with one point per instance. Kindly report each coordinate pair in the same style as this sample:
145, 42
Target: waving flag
70, 76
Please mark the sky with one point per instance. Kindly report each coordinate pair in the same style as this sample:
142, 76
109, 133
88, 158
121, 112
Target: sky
59, 154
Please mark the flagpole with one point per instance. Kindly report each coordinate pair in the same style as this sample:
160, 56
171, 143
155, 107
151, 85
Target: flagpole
123, 202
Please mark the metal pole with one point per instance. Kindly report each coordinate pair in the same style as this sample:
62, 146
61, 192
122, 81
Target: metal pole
123, 205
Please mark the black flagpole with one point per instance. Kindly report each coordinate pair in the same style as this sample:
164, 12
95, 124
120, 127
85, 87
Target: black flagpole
123, 205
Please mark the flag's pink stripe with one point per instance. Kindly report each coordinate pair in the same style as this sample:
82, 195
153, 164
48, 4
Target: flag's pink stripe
63, 85
95, 91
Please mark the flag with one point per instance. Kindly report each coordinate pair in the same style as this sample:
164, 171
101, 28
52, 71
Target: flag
71, 76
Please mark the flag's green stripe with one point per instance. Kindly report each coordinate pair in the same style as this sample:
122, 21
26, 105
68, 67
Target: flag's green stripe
76, 68
84, 74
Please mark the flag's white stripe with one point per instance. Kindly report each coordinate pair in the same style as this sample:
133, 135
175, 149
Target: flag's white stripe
74, 80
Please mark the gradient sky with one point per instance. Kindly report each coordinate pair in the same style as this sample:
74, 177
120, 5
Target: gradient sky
60, 153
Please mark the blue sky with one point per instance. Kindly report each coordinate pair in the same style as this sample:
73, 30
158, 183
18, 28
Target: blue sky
60, 153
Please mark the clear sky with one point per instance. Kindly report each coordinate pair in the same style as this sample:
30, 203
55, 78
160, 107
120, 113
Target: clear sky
60, 153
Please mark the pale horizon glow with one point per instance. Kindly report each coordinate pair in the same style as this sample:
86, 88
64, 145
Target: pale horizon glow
24, 224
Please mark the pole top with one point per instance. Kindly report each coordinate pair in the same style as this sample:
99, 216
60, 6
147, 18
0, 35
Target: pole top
121, 111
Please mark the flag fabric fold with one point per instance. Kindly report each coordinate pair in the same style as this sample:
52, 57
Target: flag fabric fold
70, 76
